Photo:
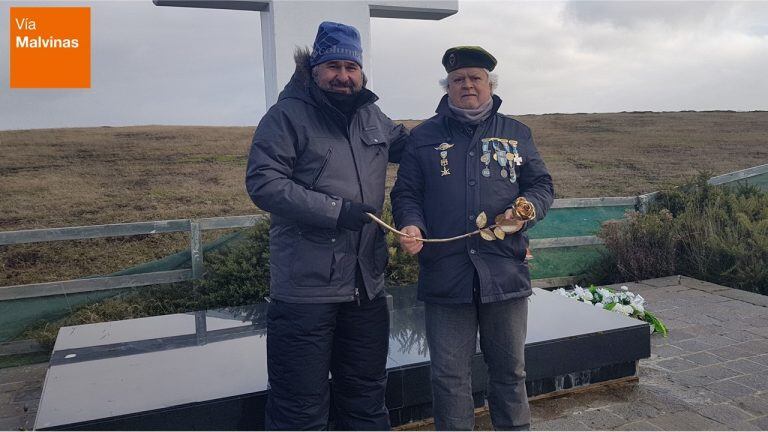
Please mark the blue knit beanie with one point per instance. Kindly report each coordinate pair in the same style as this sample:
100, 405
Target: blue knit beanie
335, 41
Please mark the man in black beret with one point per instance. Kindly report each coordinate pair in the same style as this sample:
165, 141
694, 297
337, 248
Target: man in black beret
468, 57
467, 160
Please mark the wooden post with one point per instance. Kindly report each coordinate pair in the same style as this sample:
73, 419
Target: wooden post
196, 249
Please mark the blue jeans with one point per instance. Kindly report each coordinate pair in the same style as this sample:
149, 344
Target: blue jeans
452, 338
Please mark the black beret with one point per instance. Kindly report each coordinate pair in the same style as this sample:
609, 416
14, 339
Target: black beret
468, 56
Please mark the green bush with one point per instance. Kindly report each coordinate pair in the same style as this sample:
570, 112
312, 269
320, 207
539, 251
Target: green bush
641, 247
239, 273
714, 233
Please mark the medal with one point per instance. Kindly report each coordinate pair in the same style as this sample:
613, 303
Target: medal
443, 149
505, 153
500, 156
486, 157
516, 155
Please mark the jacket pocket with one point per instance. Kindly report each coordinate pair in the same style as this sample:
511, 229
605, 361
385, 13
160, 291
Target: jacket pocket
313, 260
513, 246
321, 170
312, 160
374, 140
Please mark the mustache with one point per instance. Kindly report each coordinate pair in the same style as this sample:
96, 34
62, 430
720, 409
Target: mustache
339, 83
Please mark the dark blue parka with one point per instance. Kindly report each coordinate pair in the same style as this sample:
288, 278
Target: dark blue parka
305, 159
447, 205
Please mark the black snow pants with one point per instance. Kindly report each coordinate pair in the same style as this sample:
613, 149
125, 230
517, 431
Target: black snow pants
307, 341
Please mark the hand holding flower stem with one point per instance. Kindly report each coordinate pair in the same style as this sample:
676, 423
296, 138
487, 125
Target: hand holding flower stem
508, 222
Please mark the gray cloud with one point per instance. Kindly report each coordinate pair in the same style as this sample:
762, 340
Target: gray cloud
634, 14
152, 65
192, 66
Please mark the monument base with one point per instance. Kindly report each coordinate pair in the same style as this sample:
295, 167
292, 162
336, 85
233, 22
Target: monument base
207, 370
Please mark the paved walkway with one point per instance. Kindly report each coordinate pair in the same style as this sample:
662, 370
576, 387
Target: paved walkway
711, 373
20, 389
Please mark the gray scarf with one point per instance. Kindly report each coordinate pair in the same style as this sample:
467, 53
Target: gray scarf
472, 116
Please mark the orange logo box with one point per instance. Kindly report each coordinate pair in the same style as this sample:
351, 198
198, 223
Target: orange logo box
50, 47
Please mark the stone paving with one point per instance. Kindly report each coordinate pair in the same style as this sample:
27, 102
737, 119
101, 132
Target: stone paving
711, 373
20, 389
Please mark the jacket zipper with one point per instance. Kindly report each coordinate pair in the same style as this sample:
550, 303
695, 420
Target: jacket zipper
322, 169
360, 188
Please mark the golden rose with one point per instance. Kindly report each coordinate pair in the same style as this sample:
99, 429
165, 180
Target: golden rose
524, 209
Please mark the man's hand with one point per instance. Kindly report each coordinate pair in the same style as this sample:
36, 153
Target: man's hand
410, 245
353, 215
512, 216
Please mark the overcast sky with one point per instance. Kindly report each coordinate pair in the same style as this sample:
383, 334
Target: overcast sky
160, 65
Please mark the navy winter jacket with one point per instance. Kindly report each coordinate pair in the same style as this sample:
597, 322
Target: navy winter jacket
447, 205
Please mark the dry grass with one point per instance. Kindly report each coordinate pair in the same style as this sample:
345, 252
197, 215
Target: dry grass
90, 176
593, 155
85, 176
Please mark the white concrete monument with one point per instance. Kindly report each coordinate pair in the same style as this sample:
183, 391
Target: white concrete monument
286, 24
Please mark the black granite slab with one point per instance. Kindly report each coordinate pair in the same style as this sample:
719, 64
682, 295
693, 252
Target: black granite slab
207, 370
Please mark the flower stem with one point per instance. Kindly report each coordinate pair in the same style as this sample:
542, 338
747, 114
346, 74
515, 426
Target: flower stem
402, 234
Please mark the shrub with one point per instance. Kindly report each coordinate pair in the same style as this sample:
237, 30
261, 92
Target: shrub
239, 273
714, 233
643, 246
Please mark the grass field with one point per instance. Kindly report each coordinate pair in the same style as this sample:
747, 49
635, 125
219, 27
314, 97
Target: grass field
85, 176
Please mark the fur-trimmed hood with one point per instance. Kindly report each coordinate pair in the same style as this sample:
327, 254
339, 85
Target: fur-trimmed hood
299, 85
303, 72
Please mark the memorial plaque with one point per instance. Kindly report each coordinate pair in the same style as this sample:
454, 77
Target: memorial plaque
207, 370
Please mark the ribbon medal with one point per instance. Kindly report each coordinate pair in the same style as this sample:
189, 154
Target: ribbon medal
504, 152
443, 149
514, 156
485, 159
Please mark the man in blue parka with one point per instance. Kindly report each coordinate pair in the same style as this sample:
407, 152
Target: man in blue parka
466, 160
318, 163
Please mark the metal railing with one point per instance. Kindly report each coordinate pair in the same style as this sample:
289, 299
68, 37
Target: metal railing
195, 227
